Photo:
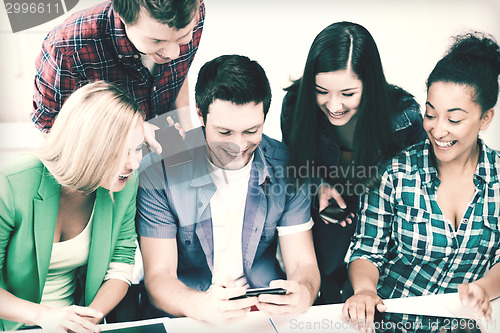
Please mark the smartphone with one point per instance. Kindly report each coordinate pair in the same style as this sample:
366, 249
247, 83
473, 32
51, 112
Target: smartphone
333, 213
259, 291
174, 149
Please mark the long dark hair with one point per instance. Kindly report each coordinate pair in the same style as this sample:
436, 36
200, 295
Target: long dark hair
373, 135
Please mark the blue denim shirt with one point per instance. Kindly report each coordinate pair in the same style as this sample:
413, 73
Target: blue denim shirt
174, 202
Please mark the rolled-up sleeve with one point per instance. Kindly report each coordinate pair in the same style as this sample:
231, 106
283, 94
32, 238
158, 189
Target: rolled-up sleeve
297, 207
120, 271
154, 217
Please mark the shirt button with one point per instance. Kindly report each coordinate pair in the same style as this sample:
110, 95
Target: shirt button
187, 242
200, 204
138, 69
154, 88
136, 56
120, 56
466, 220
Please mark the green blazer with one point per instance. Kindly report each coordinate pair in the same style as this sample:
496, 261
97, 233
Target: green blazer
29, 202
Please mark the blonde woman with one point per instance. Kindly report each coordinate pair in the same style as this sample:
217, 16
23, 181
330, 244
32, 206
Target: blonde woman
68, 211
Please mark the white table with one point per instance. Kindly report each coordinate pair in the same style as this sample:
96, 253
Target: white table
324, 318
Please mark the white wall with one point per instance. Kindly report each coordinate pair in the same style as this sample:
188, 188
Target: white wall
411, 36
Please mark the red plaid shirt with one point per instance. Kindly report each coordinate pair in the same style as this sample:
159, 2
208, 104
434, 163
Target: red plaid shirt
92, 45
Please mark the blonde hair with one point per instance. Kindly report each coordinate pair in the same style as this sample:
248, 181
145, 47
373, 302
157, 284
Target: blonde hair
89, 139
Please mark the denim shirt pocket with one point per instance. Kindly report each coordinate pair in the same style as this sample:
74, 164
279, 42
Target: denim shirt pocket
416, 238
189, 247
269, 230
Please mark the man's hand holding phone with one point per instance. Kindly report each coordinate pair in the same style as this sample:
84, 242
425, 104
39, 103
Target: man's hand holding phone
222, 302
255, 292
295, 301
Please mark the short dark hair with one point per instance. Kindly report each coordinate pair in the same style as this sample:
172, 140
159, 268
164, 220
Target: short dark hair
472, 60
175, 13
232, 78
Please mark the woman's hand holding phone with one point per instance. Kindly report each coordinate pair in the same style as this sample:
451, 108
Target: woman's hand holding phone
333, 212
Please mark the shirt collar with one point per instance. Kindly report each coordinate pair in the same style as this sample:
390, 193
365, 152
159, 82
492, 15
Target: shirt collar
201, 176
486, 171
124, 48
260, 166
426, 166
487, 166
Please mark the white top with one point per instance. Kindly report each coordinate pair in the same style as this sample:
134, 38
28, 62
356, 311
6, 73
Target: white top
227, 208
66, 257
148, 63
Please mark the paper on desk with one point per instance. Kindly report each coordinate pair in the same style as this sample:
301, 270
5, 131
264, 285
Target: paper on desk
156, 325
440, 305
255, 321
319, 318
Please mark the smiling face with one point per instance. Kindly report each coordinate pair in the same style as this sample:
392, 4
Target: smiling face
233, 132
157, 40
453, 121
132, 160
338, 95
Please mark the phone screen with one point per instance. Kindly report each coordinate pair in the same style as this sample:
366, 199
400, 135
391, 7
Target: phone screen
174, 149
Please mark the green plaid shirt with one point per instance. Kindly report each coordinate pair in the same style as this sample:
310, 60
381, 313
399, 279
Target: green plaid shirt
403, 232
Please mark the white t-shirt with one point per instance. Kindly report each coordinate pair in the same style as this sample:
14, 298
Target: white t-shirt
148, 63
227, 208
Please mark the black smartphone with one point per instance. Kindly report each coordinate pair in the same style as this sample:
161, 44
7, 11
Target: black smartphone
333, 213
174, 149
259, 291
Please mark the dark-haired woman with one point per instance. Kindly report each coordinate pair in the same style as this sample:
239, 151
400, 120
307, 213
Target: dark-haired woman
341, 120
432, 225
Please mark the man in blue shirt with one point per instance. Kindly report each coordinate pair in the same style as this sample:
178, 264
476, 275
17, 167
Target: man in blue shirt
209, 229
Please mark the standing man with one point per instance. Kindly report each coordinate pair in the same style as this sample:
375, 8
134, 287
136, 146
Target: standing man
144, 46
209, 229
